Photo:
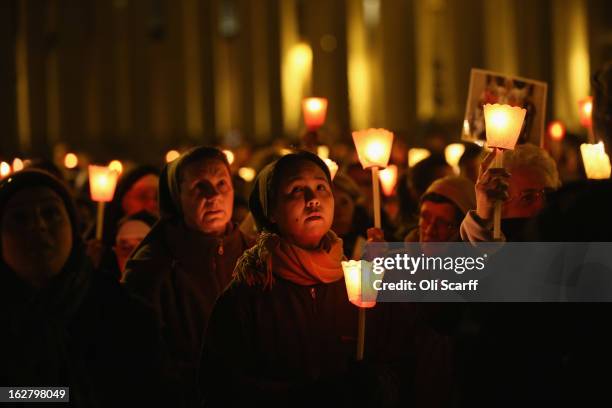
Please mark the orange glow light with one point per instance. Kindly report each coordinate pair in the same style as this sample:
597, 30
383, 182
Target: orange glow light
230, 156
503, 125
17, 164
332, 166
71, 160
373, 147
556, 130
116, 165
388, 179
102, 183
585, 107
5, 169
353, 278
314, 110
172, 155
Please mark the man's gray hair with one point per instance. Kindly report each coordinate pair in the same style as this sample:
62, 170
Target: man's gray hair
536, 160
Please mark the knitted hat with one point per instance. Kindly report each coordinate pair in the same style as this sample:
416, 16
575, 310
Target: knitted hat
459, 190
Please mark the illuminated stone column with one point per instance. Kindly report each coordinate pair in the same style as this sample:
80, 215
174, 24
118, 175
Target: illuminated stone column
296, 67
436, 61
571, 68
500, 39
359, 69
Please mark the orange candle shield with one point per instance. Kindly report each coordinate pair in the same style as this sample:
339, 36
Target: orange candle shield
314, 110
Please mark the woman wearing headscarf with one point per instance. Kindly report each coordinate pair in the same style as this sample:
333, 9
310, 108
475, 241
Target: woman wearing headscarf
284, 333
188, 257
136, 191
63, 324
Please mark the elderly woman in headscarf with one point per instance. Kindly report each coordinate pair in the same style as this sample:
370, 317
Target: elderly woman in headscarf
283, 333
188, 257
63, 324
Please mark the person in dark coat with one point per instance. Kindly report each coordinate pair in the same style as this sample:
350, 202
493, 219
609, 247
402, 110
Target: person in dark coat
188, 257
62, 324
284, 332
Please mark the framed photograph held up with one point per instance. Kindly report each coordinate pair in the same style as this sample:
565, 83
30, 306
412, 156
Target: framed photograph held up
494, 87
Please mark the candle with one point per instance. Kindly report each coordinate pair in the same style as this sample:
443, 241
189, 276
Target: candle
416, 154
230, 156
596, 161
172, 155
503, 125
116, 166
5, 169
388, 179
71, 160
556, 130
356, 293
585, 110
246, 173
373, 149
314, 110
102, 183
453, 153
323, 152
332, 166
17, 164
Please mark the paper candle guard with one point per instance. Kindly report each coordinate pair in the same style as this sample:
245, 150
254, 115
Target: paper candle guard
359, 279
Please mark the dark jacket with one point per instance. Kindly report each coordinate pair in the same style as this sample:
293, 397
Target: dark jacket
80, 330
293, 345
180, 273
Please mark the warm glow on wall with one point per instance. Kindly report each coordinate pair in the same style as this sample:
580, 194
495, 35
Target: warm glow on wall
71, 161
172, 155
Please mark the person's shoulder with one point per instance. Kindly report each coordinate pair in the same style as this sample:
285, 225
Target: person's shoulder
578, 212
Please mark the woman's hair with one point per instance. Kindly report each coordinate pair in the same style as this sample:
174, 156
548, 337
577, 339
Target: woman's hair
536, 160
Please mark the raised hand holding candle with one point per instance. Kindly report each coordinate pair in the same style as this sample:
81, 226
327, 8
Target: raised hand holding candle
503, 125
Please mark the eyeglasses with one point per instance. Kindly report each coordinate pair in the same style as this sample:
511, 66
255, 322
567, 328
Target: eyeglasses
530, 197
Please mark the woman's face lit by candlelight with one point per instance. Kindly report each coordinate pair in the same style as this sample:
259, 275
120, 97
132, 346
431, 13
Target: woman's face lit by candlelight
304, 207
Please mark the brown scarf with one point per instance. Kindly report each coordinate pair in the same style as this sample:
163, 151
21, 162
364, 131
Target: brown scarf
272, 256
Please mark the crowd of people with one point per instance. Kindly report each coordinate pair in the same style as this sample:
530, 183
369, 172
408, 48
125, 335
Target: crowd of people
208, 290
